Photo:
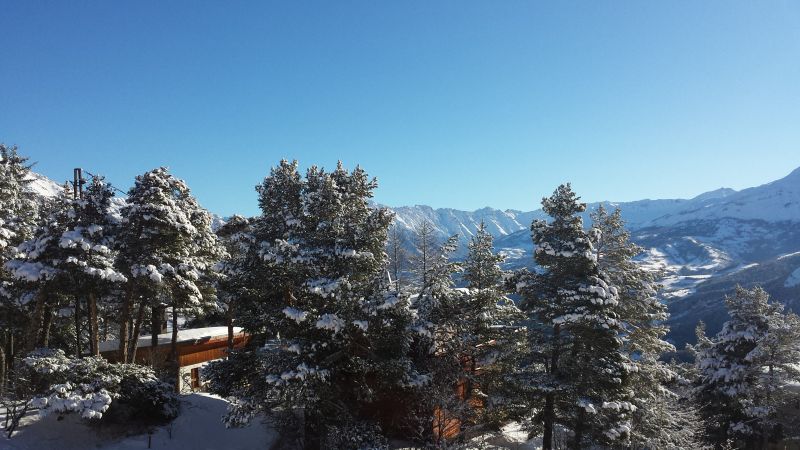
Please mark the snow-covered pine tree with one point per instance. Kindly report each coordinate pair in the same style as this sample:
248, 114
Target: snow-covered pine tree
482, 266
398, 257
661, 419
439, 374
89, 243
232, 282
778, 353
167, 249
321, 248
18, 216
271, 286
746, 370
467, 342
19, 212
458, 342
40, 271
425, 252
580, 369
491, 338
196, 271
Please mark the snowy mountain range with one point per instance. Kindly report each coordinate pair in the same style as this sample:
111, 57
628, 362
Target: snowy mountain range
777, 201
704, 246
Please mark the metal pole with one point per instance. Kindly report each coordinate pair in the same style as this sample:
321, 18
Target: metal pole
76, 183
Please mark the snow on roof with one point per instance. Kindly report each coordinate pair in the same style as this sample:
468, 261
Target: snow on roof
187, 335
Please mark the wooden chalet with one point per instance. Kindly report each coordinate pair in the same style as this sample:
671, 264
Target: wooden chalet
196, 347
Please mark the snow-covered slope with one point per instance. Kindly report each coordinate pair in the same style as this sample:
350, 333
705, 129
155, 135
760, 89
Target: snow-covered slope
772, 202
44, 186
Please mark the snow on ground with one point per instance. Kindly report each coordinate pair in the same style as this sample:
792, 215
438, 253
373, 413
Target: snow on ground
198, 427
511, 436
744, 267
680, 293
788, 255
674, 278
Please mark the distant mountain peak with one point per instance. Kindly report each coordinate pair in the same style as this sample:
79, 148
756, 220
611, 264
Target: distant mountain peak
717, 193
793, 175
43, 186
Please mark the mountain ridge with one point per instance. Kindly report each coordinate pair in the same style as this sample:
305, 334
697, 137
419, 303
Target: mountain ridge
703, 246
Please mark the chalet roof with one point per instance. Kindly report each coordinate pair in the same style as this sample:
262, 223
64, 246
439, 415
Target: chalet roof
187, 335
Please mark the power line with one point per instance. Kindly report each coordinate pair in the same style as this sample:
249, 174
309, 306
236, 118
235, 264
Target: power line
109, 184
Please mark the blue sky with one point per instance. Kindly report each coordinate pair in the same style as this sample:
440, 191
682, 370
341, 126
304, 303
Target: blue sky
449, 103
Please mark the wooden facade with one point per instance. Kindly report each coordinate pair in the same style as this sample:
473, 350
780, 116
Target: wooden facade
193, 353
446, 425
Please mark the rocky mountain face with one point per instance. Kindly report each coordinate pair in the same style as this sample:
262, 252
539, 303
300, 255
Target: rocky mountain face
703, 246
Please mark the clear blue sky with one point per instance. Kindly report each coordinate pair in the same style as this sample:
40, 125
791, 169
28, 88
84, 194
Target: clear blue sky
454, 103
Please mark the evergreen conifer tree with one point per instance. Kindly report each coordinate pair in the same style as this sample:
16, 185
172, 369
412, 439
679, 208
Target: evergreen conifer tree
89, 243
40, 270
580, 369
467, 340
398, 257
168, 248
334, 336
661, 419
18, 216
425, 255
236, 236
745, 371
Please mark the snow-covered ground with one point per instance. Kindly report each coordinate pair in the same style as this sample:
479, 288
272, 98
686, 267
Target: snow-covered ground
512, 437
198, 427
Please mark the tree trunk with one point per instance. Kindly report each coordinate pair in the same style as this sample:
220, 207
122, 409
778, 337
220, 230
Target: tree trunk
173, 349
155, 330
137, 329
547, 436
288, 298
35, 326
94, 335
229, 319
125, 317
576, 444
48, 323
766, 431
11, 350
78, 326
311, 434
549, 402
2, 367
